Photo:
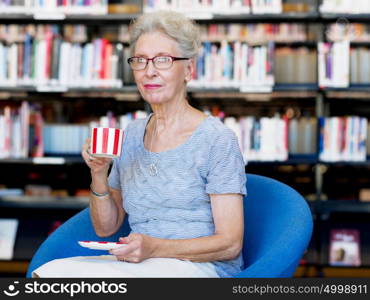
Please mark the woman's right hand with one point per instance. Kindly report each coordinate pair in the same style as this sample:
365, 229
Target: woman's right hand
97, 165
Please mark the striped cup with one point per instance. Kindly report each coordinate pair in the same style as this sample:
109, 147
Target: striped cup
106, 142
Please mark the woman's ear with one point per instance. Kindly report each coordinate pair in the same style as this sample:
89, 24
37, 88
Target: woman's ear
189, 70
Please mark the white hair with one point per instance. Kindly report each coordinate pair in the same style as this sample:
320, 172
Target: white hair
178, 27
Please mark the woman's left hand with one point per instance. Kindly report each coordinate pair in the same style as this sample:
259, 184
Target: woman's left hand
138, 248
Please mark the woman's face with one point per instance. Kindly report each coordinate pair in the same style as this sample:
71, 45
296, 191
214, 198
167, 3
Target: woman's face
160, 86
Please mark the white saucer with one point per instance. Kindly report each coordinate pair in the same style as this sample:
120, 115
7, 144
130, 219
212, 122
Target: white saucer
100, 245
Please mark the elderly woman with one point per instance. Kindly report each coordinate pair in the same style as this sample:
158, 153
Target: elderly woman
180, 179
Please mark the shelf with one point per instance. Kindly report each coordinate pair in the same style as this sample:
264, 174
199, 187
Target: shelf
131, 93
59, 89
47, 160
37, 202
351, 88
286, 17
326, 265
347, 163
73, 18
347, 17
355, 91
65, 160
125, 18
201, 17
133, 88
360, 43
278, 91
340, 206
311, 44
293, 160
13, 267
307, 90
296, 87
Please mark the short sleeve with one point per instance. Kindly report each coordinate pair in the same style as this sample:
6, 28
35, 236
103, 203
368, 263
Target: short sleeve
114, 178
226, 173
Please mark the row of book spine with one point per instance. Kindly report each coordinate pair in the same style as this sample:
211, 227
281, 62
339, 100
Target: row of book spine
354, 32
340, 65
17, 33
295, 65
257, 33
273, 139
234, 65
55, 62
252, 33
190, 7
216, 7
67, 139
24, 133
345, 6
36, 7
76, 33
334, 64
264, 139
37, 56
360, 65
343, 138
14, 131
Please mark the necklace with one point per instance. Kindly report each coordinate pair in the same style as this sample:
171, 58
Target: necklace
153, 170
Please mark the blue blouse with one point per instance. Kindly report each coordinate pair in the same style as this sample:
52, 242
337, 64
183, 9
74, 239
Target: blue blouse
174, 201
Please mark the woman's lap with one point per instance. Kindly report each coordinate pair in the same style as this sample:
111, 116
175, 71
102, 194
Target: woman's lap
109, 266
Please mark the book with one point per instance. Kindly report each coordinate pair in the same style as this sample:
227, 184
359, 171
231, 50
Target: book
41, 56
344, 248
54, 8
205, 9
295, 65
343, 30
345, 6
334, 64
235, 64
8, 232
343, 138
268, 139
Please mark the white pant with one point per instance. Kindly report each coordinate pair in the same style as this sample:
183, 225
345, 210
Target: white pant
109, 266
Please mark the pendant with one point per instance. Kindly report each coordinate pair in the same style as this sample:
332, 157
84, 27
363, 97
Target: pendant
153, 170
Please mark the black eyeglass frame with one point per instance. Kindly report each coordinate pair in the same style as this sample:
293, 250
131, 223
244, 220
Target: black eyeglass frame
173, 58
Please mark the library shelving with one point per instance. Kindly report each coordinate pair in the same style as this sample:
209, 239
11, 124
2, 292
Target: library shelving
335, 201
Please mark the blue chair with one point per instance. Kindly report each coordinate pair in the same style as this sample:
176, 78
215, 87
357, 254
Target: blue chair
278, 228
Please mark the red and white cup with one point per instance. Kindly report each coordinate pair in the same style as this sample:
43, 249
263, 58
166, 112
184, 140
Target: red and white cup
106, 142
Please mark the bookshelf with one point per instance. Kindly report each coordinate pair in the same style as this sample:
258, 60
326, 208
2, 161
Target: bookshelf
340, 206
70, 104
54, 203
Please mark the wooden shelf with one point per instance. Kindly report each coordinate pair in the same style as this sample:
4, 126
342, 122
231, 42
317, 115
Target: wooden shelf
125, 18
73, 18
313, 270
54, 160
201, 17
36, 202
13, 267
340, 206
328, 17
294, 159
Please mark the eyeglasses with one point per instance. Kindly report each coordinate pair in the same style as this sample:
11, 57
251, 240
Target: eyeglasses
161, 62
